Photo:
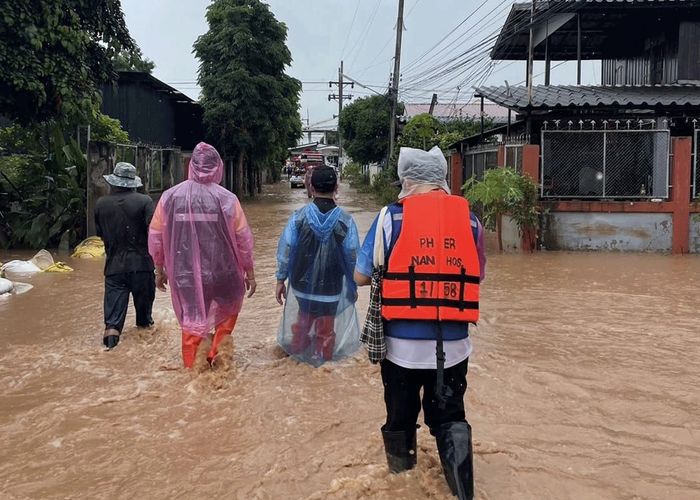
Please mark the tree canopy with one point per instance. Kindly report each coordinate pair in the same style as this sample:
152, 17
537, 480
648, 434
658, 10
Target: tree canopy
421, 131
251, 106
425, 131
132, 60
364, 126
54, 54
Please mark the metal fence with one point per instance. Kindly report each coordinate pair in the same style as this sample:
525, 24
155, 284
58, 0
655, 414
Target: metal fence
151, 162
514, 157
477, 161
617, 164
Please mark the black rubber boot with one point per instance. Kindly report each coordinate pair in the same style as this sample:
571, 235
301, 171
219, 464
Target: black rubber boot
454, 442
110, 339
400, 447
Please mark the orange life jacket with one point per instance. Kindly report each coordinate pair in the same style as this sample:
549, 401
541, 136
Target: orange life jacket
433, 270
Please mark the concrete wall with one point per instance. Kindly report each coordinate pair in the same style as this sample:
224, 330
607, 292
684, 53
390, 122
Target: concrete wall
373, 170
694, 233
510, 235
636, 232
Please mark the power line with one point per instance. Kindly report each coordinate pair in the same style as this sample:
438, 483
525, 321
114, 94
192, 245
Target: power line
466, 59
482, 44
479, 26
412, 8
352, 25
388, 41
420, 58
361, 39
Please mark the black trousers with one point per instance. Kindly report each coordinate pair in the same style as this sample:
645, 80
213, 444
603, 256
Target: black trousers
141, 285
402, 387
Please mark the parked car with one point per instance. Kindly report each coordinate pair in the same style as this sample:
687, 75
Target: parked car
297, 179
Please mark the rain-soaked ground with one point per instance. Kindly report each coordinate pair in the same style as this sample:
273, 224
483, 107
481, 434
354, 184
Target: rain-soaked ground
583, 385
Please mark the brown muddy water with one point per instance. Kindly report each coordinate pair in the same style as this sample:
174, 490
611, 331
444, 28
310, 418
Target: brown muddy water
583, 385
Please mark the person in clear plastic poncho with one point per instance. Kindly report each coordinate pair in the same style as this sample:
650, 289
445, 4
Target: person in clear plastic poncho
315, 261
202, 245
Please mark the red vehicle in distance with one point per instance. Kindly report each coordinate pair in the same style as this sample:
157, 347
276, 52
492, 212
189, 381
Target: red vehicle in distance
305, 162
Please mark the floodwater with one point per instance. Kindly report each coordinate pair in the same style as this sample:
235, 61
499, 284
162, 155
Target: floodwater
583, 385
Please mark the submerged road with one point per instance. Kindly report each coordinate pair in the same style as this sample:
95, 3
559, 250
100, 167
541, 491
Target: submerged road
583, 385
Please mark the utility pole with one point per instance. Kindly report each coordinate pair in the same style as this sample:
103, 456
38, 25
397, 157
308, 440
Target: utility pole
308, 124
433, 103
340, 97
395, 81
531, 54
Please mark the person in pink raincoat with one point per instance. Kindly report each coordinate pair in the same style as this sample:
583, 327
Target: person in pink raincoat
202, 246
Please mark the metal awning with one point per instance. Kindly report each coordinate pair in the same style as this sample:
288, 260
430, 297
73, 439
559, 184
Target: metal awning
571, 96
605, 27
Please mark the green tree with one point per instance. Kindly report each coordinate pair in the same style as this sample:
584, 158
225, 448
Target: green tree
132, 60
251, 107
503, 191
331, 138
364, 126
467, 127
56, 52
425, 131
422, 131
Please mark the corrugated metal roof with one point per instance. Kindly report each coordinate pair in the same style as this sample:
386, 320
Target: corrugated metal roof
457, 110
527, 5
567, 96
605, 27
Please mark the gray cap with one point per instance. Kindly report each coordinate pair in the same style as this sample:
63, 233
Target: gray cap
124, 176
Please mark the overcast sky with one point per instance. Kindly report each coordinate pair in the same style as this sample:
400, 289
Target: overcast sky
361, 32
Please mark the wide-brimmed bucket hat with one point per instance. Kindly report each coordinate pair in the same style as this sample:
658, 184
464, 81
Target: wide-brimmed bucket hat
124, 175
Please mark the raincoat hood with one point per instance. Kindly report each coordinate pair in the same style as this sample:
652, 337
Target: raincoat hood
322, 224
421, 171
206, 166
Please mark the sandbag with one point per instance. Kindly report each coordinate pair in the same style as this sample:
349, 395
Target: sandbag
90, 248
16, 288
19, 267
43, 260
20, 288
58, 267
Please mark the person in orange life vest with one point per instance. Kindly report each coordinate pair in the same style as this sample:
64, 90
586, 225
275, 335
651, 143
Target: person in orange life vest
434, 262
316, 254
201, 242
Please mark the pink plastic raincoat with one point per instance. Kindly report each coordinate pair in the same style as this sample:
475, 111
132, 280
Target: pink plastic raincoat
199, 233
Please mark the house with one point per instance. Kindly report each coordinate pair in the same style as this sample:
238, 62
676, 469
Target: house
614, 162
160, 120
164, 126
456, 111
153, 112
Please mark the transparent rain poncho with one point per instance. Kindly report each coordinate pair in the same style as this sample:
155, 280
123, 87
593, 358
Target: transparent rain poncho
201, 236
316, 256
418, 168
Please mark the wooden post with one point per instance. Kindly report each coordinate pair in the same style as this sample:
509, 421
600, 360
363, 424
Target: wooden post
395, 81
433, 103
547, 60
482, 117
457, 179
531, 54
578, 48
501, 156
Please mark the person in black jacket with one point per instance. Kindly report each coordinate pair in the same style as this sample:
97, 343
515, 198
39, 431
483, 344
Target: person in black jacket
121, 220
